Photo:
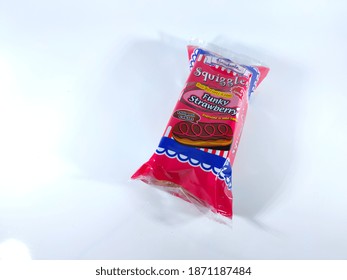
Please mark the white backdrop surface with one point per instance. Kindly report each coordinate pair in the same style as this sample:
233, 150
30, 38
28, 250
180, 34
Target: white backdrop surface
86, 89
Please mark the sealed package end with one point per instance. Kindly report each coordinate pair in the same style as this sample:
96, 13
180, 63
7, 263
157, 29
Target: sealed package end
195, 156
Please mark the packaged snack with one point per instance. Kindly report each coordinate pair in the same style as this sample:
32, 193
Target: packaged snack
195, 155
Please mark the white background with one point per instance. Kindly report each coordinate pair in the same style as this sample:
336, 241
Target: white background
86, 89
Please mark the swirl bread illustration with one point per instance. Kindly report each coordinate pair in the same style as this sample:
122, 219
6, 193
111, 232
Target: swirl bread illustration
203, 135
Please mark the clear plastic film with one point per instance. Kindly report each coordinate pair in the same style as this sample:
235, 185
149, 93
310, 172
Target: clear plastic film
197, 150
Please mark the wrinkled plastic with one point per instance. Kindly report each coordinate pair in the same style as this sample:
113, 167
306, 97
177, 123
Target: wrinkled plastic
195, 155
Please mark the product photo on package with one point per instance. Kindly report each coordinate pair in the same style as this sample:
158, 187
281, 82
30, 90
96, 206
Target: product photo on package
196, 153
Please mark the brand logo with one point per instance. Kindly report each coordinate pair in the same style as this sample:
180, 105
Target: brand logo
223, 81
223, 62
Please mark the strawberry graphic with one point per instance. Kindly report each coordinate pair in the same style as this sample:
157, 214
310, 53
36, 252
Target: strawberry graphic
238, 91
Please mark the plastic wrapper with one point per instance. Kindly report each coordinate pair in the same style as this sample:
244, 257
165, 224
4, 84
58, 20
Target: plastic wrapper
196, 153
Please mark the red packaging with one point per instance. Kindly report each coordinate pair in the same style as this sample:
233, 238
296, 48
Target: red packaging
195, 155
